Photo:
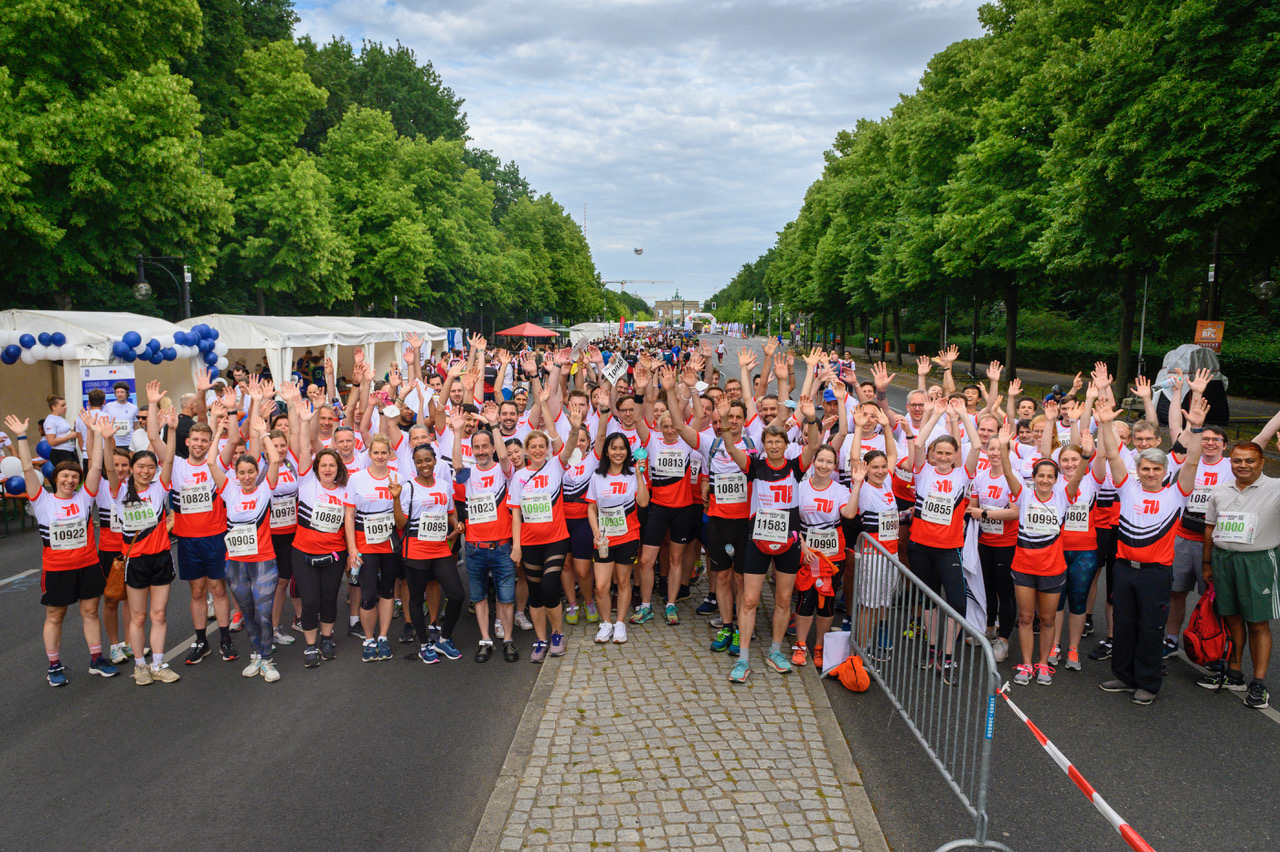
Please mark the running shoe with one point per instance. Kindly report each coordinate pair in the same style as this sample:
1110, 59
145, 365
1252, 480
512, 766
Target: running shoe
57, 675
356, 630
485, 651
121, 653
384, 649
1116, 685
643, 614
102, 666
1022, 674
267, 668
164, 674
593, 614
817, 657
1088, 625
369, 654
990, 634
698, 571
733, 643
446, 649
740, 672
1044, 674
522, 621
778, 662
282, 637
557, 645
950, 671
1258, 698
296, 627
619, 633
397, 609
930, 659
709, 606
571, 615
1143, 697
254, 667
799, 653
683, 594
721, 642
791, 626
605, 633
328, 649
199, 650
673, 617
1102, 651
1170, 646
142, 675
1233, 681
1054, 654
509, 652
715, 622
908, 633
227, 649
428, 655
498, 631
310, 657
433, 633
1073, 660
539, 652
1000, 649
407, 634
237, 621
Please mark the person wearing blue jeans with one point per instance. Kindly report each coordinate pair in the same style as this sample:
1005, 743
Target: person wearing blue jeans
490, 562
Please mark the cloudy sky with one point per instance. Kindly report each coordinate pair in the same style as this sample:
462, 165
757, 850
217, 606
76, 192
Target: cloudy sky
688, 129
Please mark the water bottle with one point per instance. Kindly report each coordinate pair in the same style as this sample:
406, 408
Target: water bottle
354, 567
641, 456
602, 549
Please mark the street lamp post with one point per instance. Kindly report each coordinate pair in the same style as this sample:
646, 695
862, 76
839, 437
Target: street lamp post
142, 289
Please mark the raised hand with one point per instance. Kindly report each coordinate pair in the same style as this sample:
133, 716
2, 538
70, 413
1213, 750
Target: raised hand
395, 486
814, 356
857, 470
16, 426
1201, 381
1004, 436
490, 412
357, 356
1104, 413
1051, 410
1015, 388
204, 379
994, 369
458, 420
1198, 412
806, 407
923, 365
746, 357
881, 375
154, 394
770, 347
1141, 387
1076, 384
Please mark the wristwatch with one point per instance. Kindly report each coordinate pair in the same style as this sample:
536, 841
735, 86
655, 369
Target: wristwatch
984, 515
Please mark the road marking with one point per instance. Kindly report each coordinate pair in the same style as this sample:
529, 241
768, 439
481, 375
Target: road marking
1270, 712
19, 576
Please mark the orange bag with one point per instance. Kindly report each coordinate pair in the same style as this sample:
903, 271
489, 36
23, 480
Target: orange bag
853, 674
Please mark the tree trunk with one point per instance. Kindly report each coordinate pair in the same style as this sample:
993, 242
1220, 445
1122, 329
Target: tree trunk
866, 333
62, 299
973, 339
262, 303
1128, 307
1011, 326
897, 334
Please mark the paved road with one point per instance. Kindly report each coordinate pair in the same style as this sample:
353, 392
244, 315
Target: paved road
387, 755
1193, 771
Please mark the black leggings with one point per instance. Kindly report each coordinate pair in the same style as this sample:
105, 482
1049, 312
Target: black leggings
377, 578
806, 603
318, 579
444, 570
940, 569
544, 579
998, 580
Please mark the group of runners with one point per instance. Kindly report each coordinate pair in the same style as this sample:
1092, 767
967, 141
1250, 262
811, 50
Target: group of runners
594, 484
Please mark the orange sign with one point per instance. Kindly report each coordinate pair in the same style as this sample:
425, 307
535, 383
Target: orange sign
1209, 334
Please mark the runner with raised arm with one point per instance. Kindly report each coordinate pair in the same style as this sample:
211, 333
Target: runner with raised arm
614, 496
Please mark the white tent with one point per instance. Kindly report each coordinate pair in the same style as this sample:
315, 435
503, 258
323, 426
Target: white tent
591, 331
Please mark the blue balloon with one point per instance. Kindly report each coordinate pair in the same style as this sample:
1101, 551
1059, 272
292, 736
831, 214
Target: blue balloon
181, 338
47, 470
211, 358
58, 338
43, 449
15, 485
157, 357
27, 341
213, 373
169, 353
205, 345
153, 344
200, 329
213, 334
45, 338
132, 339
130, 356
11, 353
119, 348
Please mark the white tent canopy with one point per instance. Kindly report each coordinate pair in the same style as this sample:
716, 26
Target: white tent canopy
591, 331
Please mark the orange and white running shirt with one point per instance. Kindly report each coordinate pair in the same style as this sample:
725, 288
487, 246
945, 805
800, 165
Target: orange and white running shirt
1148, 520
197, 513
878, 514
1039, 549
375, 511
248, 521
66, 530
1207, 477
109, 540
488, 516
615, 499
1078, 530
427, 509
322, 515
993, 493
144, 522
670, 467
731, 490
577, 477
540, 496
938, 520
820, 517
284, 497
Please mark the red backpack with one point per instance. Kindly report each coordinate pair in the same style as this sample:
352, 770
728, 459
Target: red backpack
1206, 641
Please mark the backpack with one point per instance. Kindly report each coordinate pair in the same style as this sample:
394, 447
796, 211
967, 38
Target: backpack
1206, 641
718, 442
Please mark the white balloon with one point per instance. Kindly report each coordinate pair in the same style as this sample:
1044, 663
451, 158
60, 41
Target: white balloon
166, 340
221, 347
54, 353
145, 334
10, 466
222, 363
39, 352
7, 337
27, 356
182, 351
140, 348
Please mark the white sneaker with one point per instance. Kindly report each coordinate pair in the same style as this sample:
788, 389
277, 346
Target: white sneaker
523, 622
605, 633
1000, 648
117, 655
497, 630
209, 602
254, 667
282, 637
268, 670
619, 633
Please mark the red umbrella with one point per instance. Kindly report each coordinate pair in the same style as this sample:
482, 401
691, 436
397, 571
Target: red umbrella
525, 329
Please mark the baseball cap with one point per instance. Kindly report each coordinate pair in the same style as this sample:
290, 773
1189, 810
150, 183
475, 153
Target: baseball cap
828, 395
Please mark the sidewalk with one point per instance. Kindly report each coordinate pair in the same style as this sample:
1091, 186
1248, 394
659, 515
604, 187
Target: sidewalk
648, 746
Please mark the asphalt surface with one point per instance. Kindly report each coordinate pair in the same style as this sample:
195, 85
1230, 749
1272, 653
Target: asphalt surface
348, 756
1193, 771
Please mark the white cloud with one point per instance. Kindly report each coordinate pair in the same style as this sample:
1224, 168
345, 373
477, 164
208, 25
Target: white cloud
689, 129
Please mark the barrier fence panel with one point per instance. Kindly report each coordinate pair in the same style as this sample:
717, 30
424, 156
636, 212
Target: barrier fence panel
938, 672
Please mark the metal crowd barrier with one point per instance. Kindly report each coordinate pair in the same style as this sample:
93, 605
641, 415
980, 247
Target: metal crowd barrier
955, 722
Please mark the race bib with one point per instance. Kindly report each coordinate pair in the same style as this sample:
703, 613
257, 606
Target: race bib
991, 526
771, 525
614, 370
136, 517
936, 509
68, 534
669, 463
1077, 518
1040, 520
433, 528
536, 508
193, 501
1236, 528
377, 528
328, 517
731, 488
613, 521
242, 540
114, 522
284, 511
482, 509
826, 541
1198, 502
888, 530
124, 427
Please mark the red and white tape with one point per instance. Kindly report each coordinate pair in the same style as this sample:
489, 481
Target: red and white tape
1126, 831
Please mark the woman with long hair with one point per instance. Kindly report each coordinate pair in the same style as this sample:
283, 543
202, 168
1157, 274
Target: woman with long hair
616, 493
